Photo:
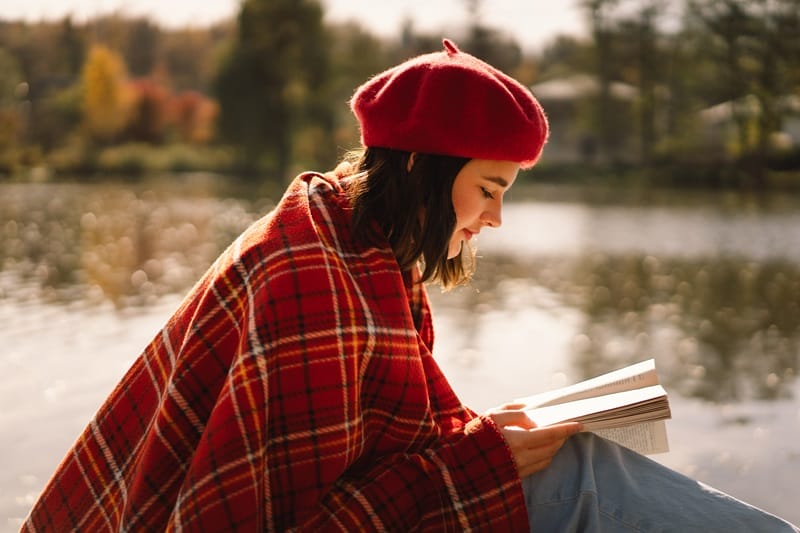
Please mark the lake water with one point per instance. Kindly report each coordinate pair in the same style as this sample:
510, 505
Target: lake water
575, 283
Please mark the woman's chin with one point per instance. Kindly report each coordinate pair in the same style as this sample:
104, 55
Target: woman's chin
455, 249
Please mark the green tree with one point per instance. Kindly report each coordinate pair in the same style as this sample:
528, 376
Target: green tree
11, 79
142, 49
11, 85
488, 43
601, 24
565, 55
271, 85
639, 48
41, 52
730, 29
757, 43
355, 55
190, 56
70, 48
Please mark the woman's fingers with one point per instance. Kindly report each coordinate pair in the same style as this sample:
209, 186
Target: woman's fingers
530, 460
506, 418
514, 406
540, 437
557, 431
534, 449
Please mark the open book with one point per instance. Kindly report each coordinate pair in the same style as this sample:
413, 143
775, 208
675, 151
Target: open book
627, 406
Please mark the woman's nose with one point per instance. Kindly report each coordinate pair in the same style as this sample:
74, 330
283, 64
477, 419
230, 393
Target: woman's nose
493, 217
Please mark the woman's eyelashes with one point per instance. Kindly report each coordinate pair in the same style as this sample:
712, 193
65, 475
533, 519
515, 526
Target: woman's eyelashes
487, 194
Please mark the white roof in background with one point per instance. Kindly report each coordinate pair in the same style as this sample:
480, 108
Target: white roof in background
748, 106
580, 86
790, 103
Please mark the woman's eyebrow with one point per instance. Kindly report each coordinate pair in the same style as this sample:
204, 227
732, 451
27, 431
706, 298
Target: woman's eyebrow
498, 180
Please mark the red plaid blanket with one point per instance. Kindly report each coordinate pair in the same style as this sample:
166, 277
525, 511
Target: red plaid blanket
293, 389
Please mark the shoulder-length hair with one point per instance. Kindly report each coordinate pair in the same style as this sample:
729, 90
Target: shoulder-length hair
412, 207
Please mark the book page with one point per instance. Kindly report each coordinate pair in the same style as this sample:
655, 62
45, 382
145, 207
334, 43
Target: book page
631, 377
647, 438
610, 410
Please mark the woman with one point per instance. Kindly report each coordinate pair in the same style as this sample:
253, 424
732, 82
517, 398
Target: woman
294, 388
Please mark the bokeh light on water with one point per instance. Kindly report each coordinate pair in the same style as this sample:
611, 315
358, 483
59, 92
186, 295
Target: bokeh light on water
722, 330
128, 245
565, 290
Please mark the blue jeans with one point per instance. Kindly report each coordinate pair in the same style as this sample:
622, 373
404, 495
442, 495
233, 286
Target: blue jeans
595, 485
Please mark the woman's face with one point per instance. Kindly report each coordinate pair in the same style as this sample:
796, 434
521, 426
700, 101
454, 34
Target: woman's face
478, 198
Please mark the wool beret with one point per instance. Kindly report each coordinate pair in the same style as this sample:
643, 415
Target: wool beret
451, 103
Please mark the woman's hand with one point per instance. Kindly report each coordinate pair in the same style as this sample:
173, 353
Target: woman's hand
532, 447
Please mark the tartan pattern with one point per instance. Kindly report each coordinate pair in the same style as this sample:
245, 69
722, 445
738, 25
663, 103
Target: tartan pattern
293, 389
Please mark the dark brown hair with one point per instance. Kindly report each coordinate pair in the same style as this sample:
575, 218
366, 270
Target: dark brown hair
413, 209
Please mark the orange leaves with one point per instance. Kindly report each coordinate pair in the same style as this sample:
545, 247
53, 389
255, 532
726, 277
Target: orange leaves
194, 116
144, 109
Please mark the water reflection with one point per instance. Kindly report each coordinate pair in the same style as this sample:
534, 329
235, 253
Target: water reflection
722, 326
126, 244
721, 329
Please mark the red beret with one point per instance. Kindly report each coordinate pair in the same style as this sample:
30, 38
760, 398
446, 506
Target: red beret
451, 103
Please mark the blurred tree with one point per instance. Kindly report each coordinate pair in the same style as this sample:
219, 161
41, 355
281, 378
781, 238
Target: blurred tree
10, 80
730, 30
271, 85
148, 111
778, 31
55, 98
110, 30
355, 56
11, 86
686, 76
757, 43
413, 43
43, 53
190, 56
14, 39
142, 46
601, 24
57, 116
31, 47
639, 37
194, 116
489, 44
787, 23
70, 48
106, 102
565, 55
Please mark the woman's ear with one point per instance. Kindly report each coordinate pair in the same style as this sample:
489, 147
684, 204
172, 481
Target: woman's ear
410, 163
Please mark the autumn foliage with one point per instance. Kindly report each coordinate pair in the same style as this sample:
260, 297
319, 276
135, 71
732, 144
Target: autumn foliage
143, 110
106, 95
193, 116
148, 116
